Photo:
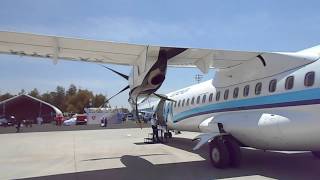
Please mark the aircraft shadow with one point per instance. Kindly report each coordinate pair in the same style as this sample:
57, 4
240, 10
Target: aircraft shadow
255, 163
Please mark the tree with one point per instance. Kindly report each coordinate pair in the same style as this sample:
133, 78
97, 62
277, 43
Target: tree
98, 100
60, 98
22, 92
34, 93
5, 96
72, 90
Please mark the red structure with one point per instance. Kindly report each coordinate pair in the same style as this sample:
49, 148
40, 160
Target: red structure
25, 107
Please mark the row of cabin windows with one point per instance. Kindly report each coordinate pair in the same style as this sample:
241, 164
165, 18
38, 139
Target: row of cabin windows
308, 81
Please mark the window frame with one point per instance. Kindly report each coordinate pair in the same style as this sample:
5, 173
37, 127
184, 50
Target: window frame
198, 99
210, 97
204, 98
218, 94
273, 81
313, 79
236, 92
286, 85
258, 85
226, 94
246, 90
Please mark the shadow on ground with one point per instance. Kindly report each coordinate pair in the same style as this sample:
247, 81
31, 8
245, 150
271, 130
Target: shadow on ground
256, 163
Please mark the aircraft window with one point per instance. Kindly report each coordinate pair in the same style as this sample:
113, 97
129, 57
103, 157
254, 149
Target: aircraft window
192, 101
187, 104
198, 99
204, 98
289, 82
218, 96
309, 79
235, 92
183, 102
210, 97
226, 94
179, 103
258, 88
246, 90
273, 85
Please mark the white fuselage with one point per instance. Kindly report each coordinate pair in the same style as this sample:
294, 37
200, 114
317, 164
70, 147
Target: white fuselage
270, 118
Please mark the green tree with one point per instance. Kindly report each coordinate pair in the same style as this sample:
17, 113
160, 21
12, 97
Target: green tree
5, 96
60, 98
72, 90
98, 100
34, 93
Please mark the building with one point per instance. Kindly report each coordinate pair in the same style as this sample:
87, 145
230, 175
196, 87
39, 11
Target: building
25, 107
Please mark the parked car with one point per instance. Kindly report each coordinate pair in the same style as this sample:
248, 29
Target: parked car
130, 117
81, 119
71, 121
5, 122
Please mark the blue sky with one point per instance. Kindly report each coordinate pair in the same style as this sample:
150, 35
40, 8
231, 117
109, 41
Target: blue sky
265, 25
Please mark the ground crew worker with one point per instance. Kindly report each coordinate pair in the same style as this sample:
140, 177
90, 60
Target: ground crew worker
155, 137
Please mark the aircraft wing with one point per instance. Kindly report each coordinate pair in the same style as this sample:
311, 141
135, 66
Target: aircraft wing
25, 44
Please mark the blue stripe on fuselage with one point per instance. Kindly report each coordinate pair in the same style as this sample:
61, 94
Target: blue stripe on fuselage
309, 96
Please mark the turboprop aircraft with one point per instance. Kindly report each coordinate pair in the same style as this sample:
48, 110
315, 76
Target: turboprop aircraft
264, 100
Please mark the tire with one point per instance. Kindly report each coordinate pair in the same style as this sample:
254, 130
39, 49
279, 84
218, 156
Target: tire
234, 152
316, 154
219, 153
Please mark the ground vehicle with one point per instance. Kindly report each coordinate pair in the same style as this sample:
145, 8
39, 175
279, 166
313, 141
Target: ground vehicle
81, 119
71, 121
5, 122
130, 117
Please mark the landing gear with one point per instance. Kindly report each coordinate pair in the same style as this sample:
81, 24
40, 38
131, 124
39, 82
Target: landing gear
225, 152
316, 154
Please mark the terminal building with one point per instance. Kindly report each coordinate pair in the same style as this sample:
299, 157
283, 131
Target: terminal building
25, 107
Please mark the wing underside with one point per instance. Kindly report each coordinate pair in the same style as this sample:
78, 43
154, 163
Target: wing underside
53, 47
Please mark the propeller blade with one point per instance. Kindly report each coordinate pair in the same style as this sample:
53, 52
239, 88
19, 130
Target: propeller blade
125, 88
120, 74
163, 97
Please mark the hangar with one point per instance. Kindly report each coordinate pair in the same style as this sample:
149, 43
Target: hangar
25, 107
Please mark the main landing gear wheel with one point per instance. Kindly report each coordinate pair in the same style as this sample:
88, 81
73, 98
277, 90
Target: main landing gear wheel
219, 153
225, 152
234, 151
316, 154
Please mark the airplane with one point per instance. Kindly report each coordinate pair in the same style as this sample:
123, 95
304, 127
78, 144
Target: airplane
263, 100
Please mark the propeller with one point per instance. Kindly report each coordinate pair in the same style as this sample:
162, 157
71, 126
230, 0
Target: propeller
164, 97
120, 74
125, 88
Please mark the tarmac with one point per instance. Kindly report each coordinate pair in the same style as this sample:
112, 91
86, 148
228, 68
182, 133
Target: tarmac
121, 154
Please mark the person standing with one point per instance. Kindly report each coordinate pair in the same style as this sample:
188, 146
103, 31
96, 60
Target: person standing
155, 136
105, 122
18, 122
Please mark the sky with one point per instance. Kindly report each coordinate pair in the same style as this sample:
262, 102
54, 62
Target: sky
248, 25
